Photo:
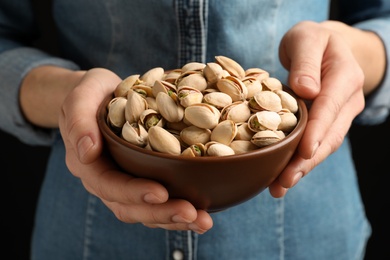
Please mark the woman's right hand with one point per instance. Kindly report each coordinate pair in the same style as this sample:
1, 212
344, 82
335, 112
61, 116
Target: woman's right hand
131, 199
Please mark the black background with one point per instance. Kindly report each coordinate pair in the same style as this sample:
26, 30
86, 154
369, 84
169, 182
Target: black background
25, 166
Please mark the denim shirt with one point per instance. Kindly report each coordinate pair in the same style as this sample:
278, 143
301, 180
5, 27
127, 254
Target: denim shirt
134, 36
321, 218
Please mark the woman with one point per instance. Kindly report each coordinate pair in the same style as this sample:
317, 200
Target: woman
89, 209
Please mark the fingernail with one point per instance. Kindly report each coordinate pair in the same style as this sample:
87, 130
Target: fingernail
296, 178
315, 148
83, 146
152, 198
195, 228
307, 82
180, 219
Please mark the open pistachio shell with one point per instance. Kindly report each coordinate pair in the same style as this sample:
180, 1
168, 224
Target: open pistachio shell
163, 141
135, 134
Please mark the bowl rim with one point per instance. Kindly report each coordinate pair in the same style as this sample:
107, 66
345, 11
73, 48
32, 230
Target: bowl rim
301, 124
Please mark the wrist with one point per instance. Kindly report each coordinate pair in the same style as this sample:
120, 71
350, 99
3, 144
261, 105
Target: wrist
43, 91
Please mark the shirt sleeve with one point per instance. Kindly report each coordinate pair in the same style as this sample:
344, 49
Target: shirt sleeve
372, 15
378, 103
18, 31
14, 64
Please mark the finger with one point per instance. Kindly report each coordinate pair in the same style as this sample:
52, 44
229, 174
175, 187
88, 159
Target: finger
338, 85
78, 123
103, 179
201, 225
299, 166
301, 52
171, 212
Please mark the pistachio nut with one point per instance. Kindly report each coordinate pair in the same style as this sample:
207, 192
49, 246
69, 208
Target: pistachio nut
224, 132
234, 87
189, 95
265, 138
265, 100
134, 133
243, 132
218, 149
242, 146
288, 121
151, 117
231, 66
202, 115
194, 150
169, 108
123, 87
264, 120
150, 76
161, 140
272, 84
193, 79
193, 134
135, 105
237, 111
217, 99
116, 112
287, 101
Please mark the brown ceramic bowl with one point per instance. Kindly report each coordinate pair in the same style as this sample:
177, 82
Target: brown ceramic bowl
209, 183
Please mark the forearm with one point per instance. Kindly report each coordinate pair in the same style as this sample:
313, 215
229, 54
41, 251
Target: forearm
368, 50
43, 91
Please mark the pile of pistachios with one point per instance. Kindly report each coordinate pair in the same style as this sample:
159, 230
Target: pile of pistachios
213, 109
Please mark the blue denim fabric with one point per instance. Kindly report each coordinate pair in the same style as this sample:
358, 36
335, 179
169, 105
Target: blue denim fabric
133, 36
321, 218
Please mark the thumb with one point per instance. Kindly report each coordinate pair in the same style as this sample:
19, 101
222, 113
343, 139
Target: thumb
78, 122
301, 52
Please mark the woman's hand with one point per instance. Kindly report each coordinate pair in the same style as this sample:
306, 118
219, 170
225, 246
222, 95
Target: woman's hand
330, 65
131, 199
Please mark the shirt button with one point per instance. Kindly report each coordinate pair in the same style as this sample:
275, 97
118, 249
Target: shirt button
177, 254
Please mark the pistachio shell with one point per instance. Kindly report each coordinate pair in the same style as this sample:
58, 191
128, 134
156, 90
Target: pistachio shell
163, 86
193, 66
242, 146
143, 90
168, 108
163, 141
237, 111
234, 87
272, 84
212, 72
125, 85
243, 132
135, 134
192, 79
257, 73
188, 96
194, 150
218, 149
264, 120
265, 138
135, 105
172, 75
288, 121
265, 100
253, 85
217, 99
151, 117
230, 65
224, 132
193, 134
150, 76
287, 101
116, 112
202, 115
